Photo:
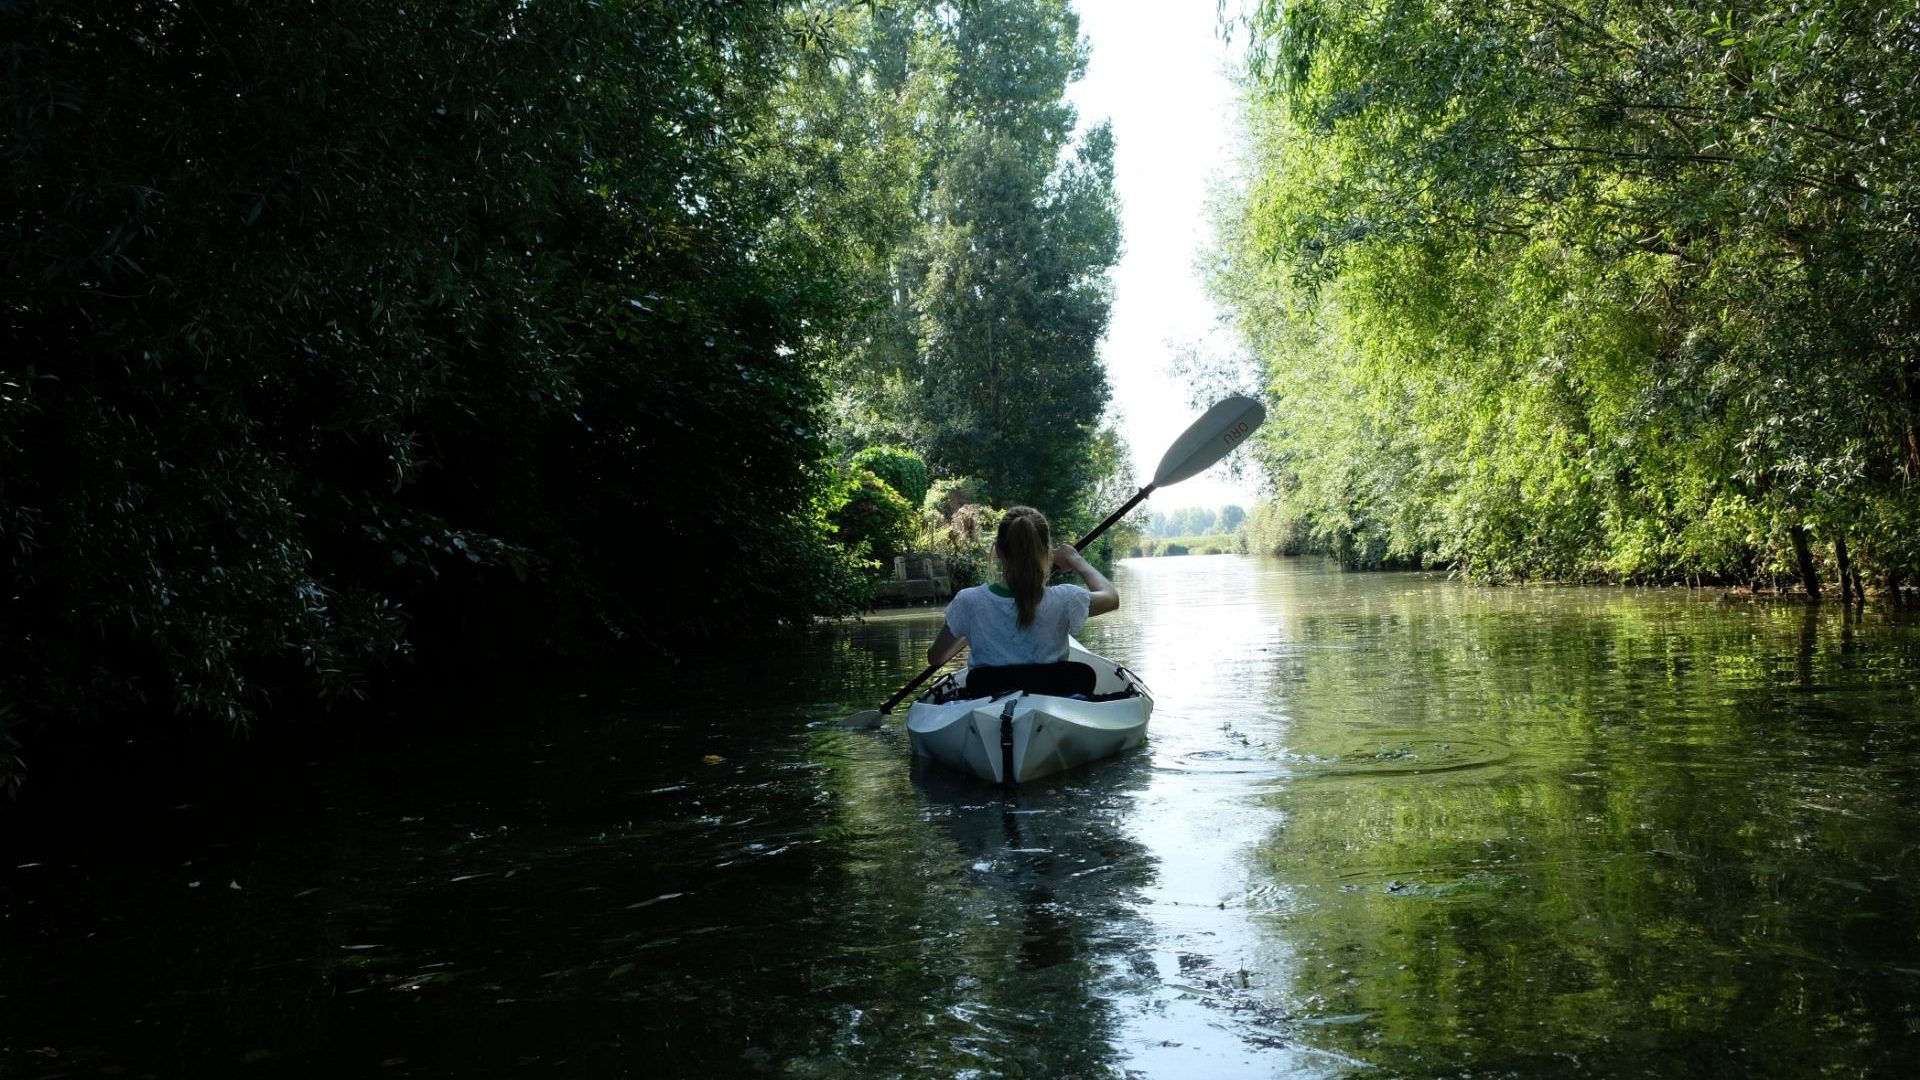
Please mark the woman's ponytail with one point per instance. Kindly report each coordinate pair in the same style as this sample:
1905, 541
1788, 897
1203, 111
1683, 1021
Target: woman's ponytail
1026, 555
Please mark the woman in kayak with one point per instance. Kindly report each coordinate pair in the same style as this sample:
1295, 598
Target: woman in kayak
1025, 620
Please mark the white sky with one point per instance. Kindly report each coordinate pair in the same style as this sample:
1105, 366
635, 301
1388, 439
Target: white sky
1158, 71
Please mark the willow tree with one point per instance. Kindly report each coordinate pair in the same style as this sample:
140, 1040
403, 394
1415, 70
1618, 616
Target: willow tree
1573, 288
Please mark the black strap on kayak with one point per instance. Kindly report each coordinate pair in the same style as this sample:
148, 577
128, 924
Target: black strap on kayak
1006, 743
1130, 677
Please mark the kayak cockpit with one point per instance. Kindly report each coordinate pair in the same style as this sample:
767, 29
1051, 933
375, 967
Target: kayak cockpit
1008, 725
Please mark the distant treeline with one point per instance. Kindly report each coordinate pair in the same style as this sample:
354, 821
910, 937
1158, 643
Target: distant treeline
340, 331
1192, 521
1586, 291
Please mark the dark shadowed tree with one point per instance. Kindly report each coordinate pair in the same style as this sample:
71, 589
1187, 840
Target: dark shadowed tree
338, 329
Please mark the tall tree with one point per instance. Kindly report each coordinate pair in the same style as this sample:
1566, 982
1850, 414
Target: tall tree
1013, 307
986, 357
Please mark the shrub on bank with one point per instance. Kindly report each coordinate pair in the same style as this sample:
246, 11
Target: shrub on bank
871, 516
900, 467
964, 535
1274, 529
947, 495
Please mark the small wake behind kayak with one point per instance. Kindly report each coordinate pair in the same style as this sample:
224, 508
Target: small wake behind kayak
1010, 736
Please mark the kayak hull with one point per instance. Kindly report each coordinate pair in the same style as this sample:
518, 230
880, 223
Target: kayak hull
1017, 736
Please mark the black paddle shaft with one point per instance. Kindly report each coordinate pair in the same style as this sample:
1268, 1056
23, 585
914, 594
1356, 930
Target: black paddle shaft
910, 687
1112, 518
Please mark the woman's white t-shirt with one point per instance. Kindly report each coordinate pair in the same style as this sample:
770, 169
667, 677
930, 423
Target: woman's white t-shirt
991, 624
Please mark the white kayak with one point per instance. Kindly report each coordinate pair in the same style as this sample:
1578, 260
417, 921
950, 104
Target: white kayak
1015, 735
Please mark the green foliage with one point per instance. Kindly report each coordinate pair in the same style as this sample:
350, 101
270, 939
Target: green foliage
964, 534
870, 516
947, 495
338, 334
1614, 291
900, 467
985, 357
1012, 308
335, 331
1272, 530
1110, 465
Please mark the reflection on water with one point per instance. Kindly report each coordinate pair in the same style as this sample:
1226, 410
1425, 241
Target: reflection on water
1539, 832
1385, 825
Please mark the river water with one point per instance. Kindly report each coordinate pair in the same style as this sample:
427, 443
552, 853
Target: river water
1385, 825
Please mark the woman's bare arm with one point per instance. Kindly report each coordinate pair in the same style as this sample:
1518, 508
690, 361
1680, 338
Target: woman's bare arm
1104, 597
945, 647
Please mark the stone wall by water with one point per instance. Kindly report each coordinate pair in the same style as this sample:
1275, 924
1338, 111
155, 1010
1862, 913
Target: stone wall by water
917, 576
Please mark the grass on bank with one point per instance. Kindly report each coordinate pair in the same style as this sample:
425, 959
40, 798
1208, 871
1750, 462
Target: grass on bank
1209, 544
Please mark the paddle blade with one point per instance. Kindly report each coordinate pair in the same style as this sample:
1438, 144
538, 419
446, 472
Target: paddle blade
1209, 439
869, 718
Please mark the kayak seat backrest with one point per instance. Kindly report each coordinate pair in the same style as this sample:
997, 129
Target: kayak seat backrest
1063, 679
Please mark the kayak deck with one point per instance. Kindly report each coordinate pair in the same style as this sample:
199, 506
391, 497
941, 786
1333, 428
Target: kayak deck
1013, 736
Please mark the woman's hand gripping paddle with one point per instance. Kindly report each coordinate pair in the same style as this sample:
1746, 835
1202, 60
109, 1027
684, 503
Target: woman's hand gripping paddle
1205, 441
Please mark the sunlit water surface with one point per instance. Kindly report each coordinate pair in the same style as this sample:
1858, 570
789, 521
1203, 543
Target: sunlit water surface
1386, 825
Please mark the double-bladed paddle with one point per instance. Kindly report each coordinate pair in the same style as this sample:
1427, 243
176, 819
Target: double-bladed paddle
1205, 441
